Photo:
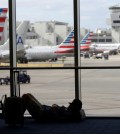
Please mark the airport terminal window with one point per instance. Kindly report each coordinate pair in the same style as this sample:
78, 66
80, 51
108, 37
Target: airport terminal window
94, 40
57, 40
53, 82
117, 21
101, 40
50, 85
108, 40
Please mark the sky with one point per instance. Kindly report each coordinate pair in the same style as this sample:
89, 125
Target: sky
93, 13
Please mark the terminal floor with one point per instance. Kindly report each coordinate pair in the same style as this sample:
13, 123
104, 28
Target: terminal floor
88, 126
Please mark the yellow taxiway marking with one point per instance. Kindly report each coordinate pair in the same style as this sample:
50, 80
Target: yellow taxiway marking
36, 65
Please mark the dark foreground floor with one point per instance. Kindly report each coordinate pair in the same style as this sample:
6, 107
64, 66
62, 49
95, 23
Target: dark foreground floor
88, 126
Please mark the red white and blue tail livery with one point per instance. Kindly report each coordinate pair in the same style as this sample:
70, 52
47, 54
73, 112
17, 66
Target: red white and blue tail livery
68, 42
86, 42
3, 14
87, 38
66, 48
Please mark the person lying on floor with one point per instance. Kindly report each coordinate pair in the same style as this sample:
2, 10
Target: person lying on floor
42, 112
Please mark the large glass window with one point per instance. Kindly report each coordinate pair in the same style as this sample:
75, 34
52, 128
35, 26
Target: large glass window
99, 83
49, 21
52, 73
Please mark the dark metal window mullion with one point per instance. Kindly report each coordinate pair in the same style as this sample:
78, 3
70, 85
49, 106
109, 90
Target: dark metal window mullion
76, 7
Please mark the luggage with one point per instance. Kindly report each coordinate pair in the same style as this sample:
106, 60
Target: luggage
13, 110
33, 106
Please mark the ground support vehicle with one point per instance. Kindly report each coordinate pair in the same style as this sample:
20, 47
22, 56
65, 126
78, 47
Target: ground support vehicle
23, 78
4, 80
99, 56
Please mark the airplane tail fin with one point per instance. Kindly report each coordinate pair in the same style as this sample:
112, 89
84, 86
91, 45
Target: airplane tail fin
68, 44
20, 37
87, 39
21, 34
69, 41
3, 14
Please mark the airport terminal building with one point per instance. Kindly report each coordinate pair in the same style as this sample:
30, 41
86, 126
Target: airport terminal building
48, 33
54, 32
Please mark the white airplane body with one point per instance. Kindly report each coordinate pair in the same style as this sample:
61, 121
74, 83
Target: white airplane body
105, 48
65, 49
45, 53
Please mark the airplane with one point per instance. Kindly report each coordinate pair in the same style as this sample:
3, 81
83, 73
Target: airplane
105, 48
20, 41
65, 49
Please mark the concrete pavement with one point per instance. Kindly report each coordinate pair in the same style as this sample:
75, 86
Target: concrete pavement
100, 88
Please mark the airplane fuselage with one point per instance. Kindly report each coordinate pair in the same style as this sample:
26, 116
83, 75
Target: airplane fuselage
105, 47
65, 49
46, 53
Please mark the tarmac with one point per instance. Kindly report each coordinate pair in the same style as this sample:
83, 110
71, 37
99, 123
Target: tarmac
100, 89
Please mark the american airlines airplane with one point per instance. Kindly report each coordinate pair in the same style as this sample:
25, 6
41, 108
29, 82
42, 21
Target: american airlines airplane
65, 49
20, 40
105, 48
